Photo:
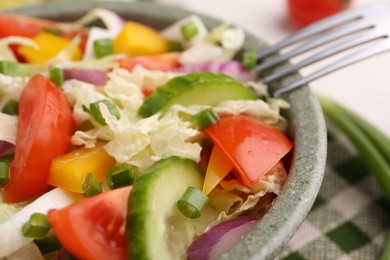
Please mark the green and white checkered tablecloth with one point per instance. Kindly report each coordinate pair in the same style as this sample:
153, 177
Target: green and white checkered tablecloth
350, 218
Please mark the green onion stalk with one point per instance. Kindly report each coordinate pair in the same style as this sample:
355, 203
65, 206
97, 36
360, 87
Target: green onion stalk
372, 144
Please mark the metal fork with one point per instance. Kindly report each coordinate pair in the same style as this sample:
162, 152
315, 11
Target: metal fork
369, 24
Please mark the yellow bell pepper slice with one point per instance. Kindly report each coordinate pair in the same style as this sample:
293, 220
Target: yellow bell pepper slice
68, 171
137, 39
49, 46
219, 166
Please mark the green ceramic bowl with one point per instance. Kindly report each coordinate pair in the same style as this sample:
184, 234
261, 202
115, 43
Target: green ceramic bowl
307, 128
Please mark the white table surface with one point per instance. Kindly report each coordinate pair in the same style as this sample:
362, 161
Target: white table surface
363, 87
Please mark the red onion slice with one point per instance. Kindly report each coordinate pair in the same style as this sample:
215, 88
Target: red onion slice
93, 76
220, 238
6, 147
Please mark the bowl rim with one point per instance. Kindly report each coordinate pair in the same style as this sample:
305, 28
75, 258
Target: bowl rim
307, 128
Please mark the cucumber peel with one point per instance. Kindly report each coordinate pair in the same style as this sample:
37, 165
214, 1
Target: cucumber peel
199, 88
155, 228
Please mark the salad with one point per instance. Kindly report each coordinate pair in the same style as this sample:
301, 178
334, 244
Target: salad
124, 142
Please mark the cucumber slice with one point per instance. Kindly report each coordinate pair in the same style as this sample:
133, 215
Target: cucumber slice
156, 229
199, 88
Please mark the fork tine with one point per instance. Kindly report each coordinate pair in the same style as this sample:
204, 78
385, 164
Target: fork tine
369, 51
323, 39
311, 30
347, 44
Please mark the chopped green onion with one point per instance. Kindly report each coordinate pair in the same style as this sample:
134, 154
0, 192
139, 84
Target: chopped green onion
91, 186
189, 30
57, 76
249, 60
4, 174
48, 243
120, 175
192, 202
103, 47
97, 114
7, 158
11, 107
85, 109
205, 118
36, 227
14, 69
54, 31
174, 46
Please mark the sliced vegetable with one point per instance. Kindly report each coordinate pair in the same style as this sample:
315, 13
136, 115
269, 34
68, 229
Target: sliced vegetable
137, 39
36, 227
4, 174
44, 132
201, 88
11, 238
6, 148
252, 146
220, 238
96, 77
91, 186
218, 168
192, 202
161, 62
95, 110
189, 30
93, 227
103, 47
48, 244
49, 46
174, 46
249, 60
167, 234
57, 76
14, 69
13, 25
69, 171
205, 118
11, 107
8, 128
120, 175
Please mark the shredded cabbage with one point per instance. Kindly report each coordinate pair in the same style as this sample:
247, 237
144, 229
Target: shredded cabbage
6, 52
8, 128
11, 239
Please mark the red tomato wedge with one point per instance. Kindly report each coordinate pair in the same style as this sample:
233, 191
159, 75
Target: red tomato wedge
252, 146
94, 228
161, 62
14, 25
44, 132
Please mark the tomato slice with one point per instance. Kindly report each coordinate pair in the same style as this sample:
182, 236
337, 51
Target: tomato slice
15, 25
44, 132
161, 62
252, 146
94, 228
